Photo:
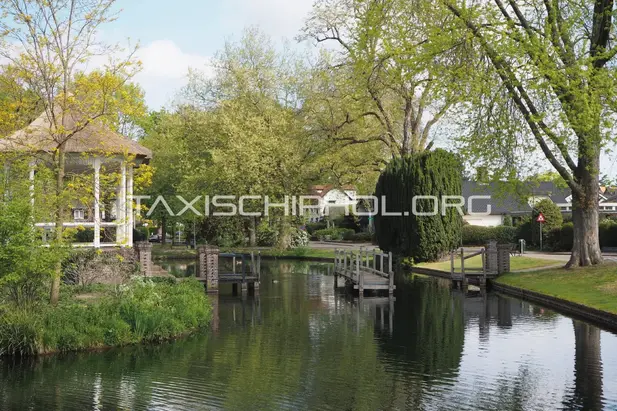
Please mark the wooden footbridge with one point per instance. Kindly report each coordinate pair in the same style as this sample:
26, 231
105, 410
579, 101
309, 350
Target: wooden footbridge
364, 270
245, 269
495, 260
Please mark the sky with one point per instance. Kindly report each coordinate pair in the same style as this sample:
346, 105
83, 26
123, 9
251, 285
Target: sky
181, 34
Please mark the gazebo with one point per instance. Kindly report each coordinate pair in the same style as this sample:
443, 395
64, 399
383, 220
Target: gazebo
92, 145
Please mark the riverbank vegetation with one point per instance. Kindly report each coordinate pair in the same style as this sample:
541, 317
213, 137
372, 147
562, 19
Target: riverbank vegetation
105, 316
182, 252
594, 287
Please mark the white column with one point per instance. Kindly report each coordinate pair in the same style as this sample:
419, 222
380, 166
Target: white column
31, 177
129, 207
97, 203
121, 207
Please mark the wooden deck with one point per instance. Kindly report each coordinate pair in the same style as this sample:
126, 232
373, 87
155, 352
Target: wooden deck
365, 270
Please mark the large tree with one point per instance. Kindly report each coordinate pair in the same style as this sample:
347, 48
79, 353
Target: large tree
47, 43
378, 89
544, 80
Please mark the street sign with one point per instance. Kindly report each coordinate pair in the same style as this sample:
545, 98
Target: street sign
541, 218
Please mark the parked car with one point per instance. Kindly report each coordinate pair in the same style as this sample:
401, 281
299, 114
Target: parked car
155, 238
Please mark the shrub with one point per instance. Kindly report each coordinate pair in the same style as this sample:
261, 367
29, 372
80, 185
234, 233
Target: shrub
553, 216
608, 233
312, 227
423, 238
142, 311
333, 234
299, 238
478, 235
363, 237
267, 236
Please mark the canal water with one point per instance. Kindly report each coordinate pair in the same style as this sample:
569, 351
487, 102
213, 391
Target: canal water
299, 345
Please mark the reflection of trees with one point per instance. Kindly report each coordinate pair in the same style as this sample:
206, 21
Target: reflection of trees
428, 336
297, 357
588, 388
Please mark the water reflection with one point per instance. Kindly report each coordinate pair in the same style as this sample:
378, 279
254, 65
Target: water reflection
298, 344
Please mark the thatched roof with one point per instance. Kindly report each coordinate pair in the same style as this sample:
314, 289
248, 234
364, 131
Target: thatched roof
94, 138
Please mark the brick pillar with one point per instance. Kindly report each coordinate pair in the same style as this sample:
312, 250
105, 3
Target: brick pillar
503, 258
491, 259
144, 256
208, 267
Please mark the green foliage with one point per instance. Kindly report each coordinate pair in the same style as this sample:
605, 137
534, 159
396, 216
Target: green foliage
333, 234
423, 238
362, 237
553, 216
478, 235
299, 238
25, 266
142, 311
267, 235
312, 227
561, 239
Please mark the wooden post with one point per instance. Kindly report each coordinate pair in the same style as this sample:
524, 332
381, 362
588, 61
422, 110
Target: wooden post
233, 264
209, 267
390, 270
374, 259
452, 265
463, 280
244, 283
144, 255
360, 276
483, 281
344, 262
381, 263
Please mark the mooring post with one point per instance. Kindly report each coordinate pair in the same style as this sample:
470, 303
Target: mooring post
360, 276
374, 259
483, 280
464, 279
144, 256
344, 262
452, 265
209, 267
244, 282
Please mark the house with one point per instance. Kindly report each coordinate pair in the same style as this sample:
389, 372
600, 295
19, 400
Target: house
332, 200
519, 203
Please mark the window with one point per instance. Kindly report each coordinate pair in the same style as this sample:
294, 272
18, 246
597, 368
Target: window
79, 214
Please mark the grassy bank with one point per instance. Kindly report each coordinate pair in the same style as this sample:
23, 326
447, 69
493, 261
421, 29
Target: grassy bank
594, 287
516, 263
168, 252
141, 311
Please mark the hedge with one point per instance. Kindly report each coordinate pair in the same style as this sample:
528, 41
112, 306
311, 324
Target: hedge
561, 239
478, 235
333, 234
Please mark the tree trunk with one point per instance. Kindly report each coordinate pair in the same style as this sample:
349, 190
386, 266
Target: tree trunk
253, 231
585, 217
588, 372
163, 231
59, 229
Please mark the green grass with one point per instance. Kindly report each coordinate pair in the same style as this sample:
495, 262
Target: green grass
591, 286
141, 311
182, 252
516, 263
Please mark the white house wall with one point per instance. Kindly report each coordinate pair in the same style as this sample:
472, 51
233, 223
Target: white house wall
484, 221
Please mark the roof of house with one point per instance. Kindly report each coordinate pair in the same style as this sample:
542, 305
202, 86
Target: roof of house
322, 190
506, 200
95, 137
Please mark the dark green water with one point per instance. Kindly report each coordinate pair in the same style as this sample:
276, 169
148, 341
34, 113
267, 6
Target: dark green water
299, 345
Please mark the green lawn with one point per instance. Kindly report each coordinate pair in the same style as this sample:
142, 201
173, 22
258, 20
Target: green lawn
594, 286
516, 263
182, 252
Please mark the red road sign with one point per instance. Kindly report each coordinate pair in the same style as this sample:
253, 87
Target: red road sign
541, 218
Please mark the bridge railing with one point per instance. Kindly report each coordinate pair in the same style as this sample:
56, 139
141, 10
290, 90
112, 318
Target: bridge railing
354, 263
